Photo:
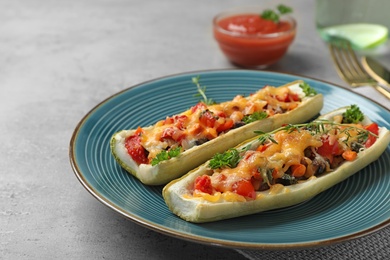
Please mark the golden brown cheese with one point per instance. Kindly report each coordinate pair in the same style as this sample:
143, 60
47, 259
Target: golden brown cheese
269, 99
279, 156
288, 151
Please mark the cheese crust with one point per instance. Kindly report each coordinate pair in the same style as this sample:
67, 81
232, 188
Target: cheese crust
187, 160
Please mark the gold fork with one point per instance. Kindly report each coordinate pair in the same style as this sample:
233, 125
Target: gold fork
349, 68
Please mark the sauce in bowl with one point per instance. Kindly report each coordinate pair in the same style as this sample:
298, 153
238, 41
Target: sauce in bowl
251, 41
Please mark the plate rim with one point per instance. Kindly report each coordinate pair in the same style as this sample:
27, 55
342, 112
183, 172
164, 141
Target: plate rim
198, 238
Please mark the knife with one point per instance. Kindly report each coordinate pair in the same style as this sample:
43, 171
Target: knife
377, 71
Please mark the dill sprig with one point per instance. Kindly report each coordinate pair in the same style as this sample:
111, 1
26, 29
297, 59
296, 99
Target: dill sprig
264, 137
232, 157
318, 126
202, 92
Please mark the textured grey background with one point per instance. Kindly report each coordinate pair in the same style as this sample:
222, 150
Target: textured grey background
58, 59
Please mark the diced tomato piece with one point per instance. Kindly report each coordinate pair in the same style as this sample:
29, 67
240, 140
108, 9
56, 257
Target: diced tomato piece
200, 106
180, 121
282, 98
225, 126
168, 121
135, 149
221, 114
203, 184
293, 97
336, 149
178, 136
138, 131
173, 133
195, 129
207, 118
373, 128
168, 132
328, 150
244, 188
288, 97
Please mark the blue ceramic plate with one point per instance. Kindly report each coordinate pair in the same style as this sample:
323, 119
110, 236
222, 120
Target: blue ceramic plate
353, 208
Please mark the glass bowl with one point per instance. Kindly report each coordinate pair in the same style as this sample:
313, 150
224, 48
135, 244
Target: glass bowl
253, 49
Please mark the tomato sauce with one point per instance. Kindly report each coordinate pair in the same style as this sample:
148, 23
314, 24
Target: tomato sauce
249, 40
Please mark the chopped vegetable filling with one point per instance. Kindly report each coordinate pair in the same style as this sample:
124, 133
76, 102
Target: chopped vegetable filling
207, 120
285, 156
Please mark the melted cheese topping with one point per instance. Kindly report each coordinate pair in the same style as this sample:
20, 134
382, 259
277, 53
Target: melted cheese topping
289, 150
202, 123
269, 162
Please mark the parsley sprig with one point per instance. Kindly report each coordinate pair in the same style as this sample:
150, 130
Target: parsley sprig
202, 91
230, 159
274, 16
307, 89
166, 155
254, 117
353, 115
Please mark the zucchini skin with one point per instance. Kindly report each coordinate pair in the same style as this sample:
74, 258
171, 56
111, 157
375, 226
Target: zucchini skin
176, 167
200, 210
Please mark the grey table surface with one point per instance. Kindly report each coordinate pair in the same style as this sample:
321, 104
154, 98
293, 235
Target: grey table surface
58, 59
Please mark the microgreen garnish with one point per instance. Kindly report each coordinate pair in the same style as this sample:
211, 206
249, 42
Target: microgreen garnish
275, 16
230, 159
317, 127
353, 115
307, 89
264, 137
361, 136
166, 155
254, 117
202, 91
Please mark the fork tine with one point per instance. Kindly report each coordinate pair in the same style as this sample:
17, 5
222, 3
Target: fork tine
347, 65
341, 66
350, 59
360, 72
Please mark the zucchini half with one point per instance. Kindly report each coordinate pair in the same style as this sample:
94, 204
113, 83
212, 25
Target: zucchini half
175, 167
177, 193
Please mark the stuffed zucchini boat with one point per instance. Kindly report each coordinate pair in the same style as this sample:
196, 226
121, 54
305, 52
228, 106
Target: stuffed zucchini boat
170, 148
278, 169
